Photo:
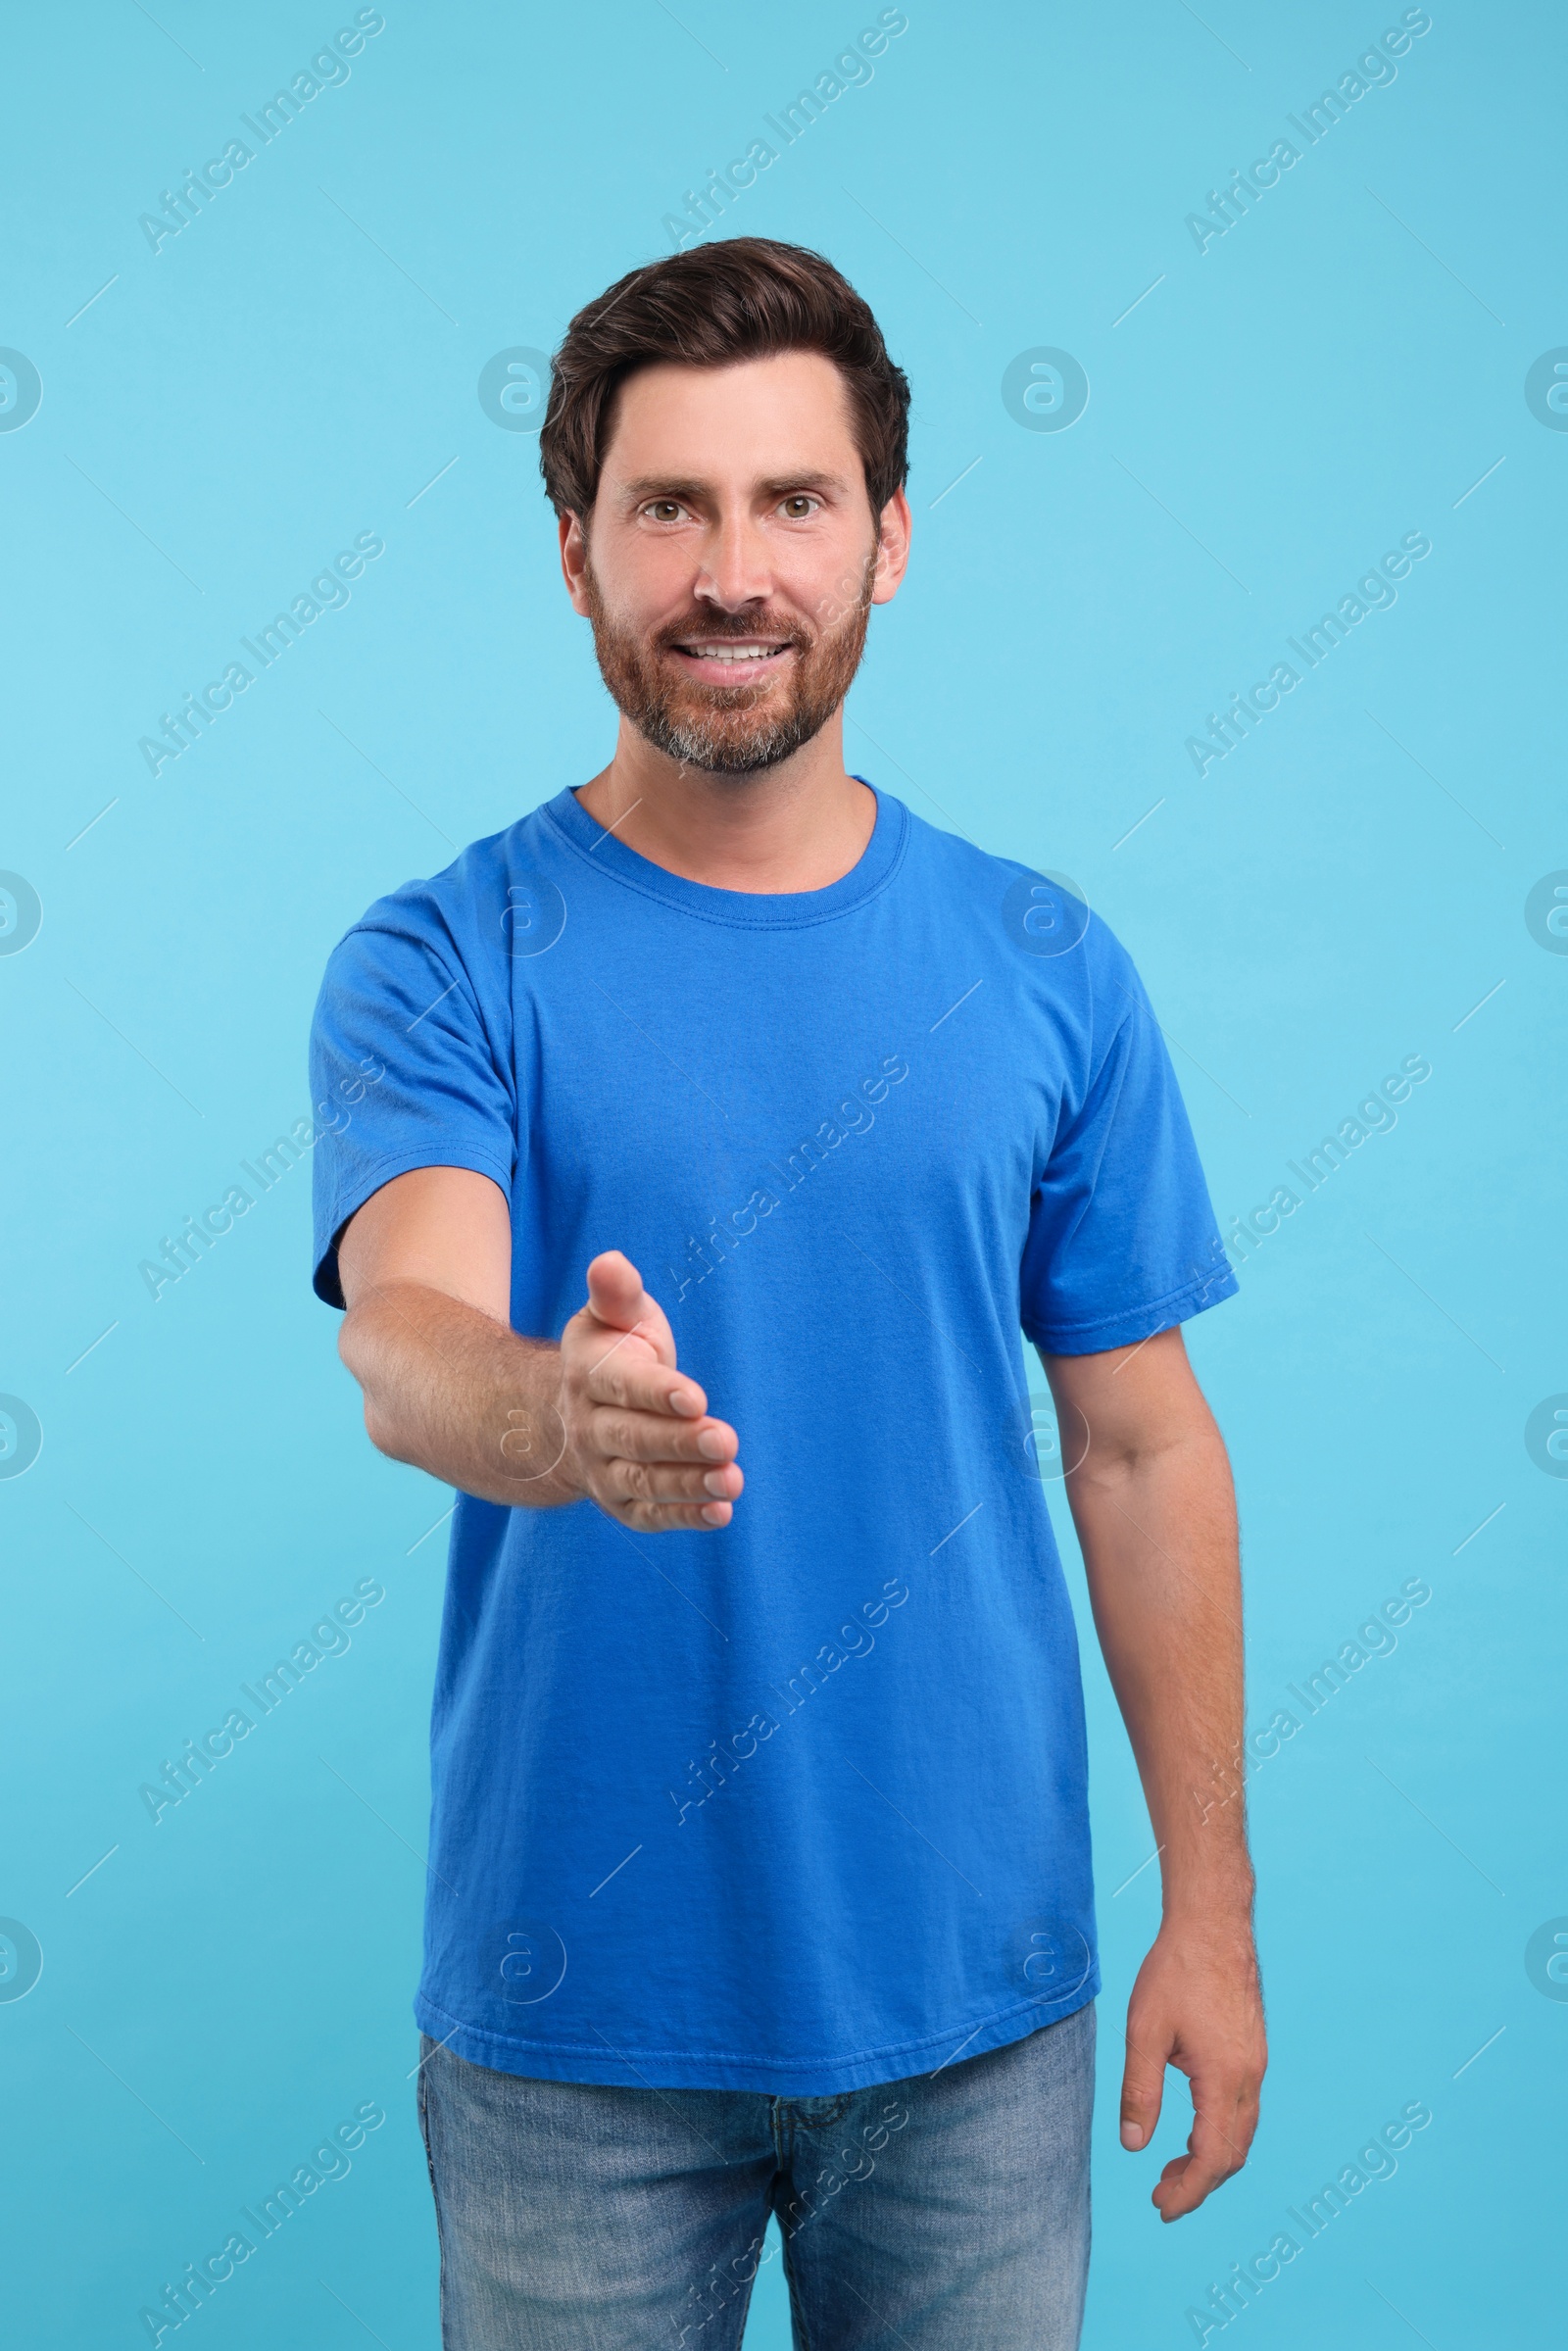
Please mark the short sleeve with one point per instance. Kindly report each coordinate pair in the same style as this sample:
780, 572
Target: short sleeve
1122, 1238
404, 1074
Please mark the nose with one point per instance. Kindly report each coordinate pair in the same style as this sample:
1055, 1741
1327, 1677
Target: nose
736, 570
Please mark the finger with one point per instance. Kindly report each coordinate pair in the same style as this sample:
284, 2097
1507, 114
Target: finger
1213, 2152
1143, 2088
1219, 2099
1184, 2185
669, 1518
1167, 2188
617, 1300
658, 1436
663, 1482
620, 1375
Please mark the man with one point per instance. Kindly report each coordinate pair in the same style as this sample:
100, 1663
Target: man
760, 1875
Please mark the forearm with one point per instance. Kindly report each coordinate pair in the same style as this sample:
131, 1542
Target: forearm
454, 1393
1150, 1494
1159, 1535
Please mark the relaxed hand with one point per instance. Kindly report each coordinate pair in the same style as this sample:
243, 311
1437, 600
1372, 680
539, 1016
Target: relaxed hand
1196, 2005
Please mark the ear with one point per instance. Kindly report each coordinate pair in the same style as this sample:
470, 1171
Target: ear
574, 562
892, 547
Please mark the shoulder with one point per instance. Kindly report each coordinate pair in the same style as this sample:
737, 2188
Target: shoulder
462, 917
1043, 916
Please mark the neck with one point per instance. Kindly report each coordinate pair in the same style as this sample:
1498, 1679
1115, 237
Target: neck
801, 825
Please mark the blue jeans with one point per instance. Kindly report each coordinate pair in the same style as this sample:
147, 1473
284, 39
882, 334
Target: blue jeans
948, 2212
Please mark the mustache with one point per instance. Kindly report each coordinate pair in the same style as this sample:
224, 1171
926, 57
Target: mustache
711, 627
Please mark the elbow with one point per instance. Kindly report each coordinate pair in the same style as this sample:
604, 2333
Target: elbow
1113, 1462
382, 1426
358, 1358
350, 1352
379, 1429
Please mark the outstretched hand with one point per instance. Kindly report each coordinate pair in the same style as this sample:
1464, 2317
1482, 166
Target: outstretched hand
639, 1440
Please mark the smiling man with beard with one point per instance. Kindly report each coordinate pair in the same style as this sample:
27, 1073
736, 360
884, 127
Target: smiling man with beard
739, 725
852, 1987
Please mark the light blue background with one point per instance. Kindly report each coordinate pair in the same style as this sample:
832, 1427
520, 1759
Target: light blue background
1340, 892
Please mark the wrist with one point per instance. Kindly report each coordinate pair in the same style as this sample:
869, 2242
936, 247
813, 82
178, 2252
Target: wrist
537, 1462
569, 1475
1209, 1882
1209, 1907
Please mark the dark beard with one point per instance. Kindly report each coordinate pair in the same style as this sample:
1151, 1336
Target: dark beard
720, 728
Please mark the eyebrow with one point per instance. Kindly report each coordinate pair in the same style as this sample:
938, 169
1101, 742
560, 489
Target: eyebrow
663, 486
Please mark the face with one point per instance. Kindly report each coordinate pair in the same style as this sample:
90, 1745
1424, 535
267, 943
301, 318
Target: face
731, 559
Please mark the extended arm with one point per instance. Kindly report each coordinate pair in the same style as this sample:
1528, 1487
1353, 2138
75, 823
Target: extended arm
449, 1386
1150, 1494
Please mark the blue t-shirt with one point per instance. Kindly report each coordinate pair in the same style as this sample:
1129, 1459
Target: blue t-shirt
798, 1805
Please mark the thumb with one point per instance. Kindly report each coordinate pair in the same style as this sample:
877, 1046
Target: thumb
618, 1301
1143, 2086
616, 1291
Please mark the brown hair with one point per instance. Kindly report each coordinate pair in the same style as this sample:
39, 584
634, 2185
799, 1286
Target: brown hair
740, 298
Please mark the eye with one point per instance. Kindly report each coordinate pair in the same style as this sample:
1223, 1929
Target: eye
664, 510
799, 505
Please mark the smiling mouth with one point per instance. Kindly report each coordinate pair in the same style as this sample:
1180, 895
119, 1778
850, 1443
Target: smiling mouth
736, 654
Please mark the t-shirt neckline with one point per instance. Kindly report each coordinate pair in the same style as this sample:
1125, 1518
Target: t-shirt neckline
755, 910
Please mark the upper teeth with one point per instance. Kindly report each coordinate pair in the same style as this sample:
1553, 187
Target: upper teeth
731, 653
